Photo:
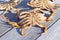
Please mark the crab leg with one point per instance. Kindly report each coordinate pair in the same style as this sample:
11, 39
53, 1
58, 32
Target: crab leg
6, 10
3, 14
15, 10
51, 15
23, 31
42, 26
14, 24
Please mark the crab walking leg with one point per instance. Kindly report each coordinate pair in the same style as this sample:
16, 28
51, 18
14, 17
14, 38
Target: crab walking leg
23, 31
6, 10
30, 2
3, 14
42, 26
16, 2
51, 15
15, 10
14, 24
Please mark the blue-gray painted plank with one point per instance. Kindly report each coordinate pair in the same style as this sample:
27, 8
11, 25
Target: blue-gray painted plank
14, 35
3, 26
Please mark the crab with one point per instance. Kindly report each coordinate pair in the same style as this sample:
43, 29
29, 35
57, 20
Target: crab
34, 18
9, 6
